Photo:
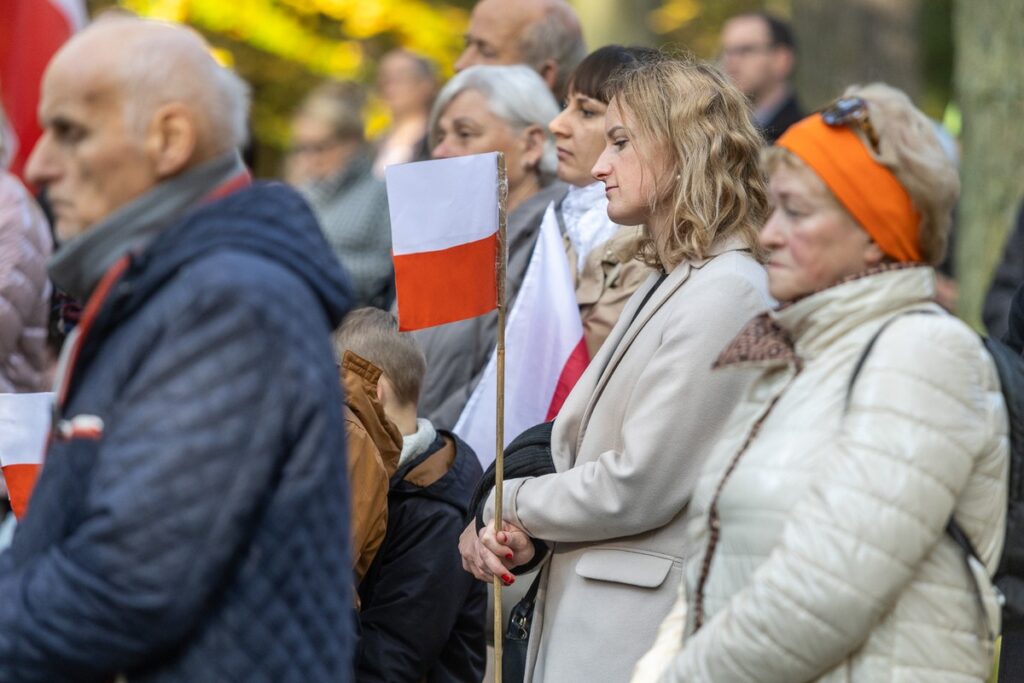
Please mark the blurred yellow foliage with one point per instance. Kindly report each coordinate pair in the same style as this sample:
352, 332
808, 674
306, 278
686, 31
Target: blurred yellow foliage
289, 28
673, 15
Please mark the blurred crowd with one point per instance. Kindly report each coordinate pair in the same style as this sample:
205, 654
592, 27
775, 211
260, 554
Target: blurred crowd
785, 461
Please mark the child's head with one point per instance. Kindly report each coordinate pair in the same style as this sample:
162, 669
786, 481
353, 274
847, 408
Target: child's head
373, 335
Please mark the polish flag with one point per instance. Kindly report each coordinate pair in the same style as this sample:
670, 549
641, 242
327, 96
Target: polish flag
444, 236
31, 31
24, 426
544, 349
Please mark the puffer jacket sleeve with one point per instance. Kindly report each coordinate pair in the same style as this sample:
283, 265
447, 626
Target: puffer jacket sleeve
25, 246
926, 430
180, 479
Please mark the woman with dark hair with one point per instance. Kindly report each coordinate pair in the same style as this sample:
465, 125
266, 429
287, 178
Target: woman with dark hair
601, 253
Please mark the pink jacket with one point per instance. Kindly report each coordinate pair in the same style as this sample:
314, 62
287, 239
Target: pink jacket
25, 247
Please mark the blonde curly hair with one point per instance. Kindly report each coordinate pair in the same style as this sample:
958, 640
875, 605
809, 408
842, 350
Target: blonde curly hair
690, 109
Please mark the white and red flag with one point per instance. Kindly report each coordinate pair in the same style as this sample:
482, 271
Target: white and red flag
31, 31
444, 237
24, 427
545, 350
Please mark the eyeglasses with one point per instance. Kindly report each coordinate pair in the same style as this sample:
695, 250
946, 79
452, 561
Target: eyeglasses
851, 110
315, 147
743, 51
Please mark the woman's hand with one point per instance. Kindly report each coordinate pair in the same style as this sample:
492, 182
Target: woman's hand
489, 554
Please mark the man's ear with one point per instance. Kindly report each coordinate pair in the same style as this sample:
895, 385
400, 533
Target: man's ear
171, 139
548, 70
532, 140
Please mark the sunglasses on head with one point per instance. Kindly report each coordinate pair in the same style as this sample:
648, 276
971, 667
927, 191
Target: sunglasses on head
848, 111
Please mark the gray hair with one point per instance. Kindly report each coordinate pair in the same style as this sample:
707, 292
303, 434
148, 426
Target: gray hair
556, 36
515, 94
339, 104
154, 79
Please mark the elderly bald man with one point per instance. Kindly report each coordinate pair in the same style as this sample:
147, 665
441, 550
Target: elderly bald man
191, 520
544, 34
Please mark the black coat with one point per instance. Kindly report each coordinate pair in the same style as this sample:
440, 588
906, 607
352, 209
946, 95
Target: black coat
1008, 277
786, 116
422, 615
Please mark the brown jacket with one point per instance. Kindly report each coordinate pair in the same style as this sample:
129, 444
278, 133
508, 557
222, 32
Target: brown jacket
609, 277
374, 444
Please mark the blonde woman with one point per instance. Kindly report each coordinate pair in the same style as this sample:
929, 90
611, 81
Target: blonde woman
819, 549
680, 159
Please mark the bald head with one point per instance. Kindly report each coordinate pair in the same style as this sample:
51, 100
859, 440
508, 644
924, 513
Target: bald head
544, 34
127, 104
149, 64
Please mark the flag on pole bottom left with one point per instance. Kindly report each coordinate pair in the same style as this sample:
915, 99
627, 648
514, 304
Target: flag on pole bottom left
24, 426
444, 236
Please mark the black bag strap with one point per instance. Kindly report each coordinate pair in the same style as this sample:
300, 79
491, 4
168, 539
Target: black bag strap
952, 528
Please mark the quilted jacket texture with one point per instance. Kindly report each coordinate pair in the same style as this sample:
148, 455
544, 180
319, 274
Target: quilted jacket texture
25, 246
832, 563
204, 537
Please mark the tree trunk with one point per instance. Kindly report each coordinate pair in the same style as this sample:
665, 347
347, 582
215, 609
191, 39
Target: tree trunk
990, 89
847, 42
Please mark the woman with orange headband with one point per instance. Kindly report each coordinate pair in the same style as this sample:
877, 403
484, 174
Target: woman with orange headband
818, 528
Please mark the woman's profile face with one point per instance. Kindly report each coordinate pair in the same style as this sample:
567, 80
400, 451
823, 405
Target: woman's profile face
579, 136
630, 168
467, 126
813, 242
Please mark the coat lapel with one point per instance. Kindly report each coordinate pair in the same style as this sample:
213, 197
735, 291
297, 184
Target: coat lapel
623, 337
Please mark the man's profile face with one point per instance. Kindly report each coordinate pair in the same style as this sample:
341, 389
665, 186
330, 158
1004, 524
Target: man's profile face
494, 34
90, 159
748, 56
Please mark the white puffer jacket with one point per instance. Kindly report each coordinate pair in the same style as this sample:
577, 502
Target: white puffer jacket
831, 562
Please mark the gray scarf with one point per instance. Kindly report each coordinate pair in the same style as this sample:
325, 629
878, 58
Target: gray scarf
80, 263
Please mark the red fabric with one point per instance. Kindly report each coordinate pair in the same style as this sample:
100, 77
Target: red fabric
438, 287
31, 31
571, 372
20, 480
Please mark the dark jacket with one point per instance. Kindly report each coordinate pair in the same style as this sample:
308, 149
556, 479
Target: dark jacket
1008, 277
204, 535
789, 113
423, 615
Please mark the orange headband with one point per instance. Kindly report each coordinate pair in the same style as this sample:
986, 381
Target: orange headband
866, 188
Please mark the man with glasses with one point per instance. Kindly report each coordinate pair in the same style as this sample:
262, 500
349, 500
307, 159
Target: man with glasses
759, 55
331, 163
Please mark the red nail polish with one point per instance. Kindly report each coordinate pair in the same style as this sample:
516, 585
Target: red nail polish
507, 578
509, 556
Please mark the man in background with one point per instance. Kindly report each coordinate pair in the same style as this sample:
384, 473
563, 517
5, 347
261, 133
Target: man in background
759, 55
543, 34
331, 163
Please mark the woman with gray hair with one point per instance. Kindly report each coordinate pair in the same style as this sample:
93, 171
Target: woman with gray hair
489, 109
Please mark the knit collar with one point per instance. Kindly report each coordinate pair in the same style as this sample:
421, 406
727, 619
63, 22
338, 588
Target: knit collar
797, 332
585, 215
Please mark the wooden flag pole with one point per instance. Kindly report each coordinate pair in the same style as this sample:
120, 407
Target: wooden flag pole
499, 452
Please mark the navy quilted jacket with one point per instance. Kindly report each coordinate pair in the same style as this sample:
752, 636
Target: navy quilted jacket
204, 536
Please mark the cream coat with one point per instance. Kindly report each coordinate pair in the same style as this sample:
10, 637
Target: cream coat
627, 445
832, 563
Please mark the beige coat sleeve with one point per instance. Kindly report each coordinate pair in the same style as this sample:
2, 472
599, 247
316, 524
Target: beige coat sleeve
670, 421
